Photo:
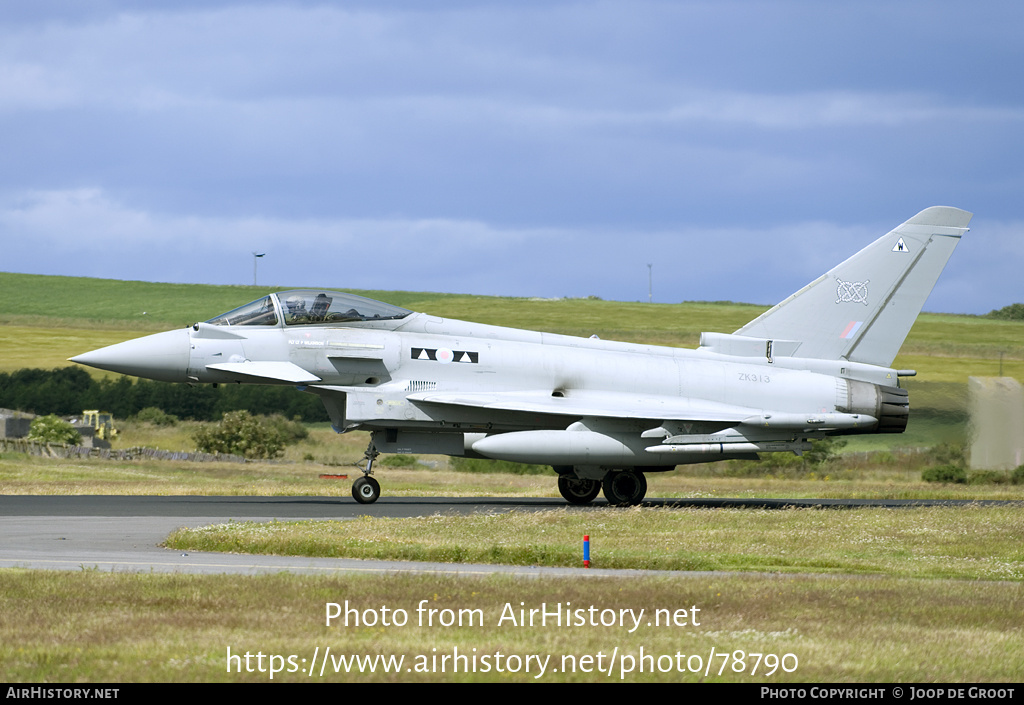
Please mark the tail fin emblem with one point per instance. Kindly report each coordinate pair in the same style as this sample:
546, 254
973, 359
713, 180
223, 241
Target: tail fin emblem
852, 292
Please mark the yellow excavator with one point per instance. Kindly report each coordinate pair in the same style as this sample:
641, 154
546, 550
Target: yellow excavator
102, 422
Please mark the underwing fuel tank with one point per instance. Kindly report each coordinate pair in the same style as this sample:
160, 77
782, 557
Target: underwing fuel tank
555, 447
593, 448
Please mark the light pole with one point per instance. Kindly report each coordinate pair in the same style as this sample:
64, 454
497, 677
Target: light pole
650, 283
255, 260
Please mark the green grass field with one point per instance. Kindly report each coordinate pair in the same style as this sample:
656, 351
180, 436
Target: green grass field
979, 543
79, 314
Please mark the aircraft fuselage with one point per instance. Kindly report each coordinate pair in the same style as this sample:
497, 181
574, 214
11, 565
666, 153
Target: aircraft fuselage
601, 413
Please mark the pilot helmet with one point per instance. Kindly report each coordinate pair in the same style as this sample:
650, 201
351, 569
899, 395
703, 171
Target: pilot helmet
295, 304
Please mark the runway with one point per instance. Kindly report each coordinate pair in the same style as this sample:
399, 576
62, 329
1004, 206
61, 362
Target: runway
123, 533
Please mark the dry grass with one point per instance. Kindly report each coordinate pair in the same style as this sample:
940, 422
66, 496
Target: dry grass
117, 628
899, 478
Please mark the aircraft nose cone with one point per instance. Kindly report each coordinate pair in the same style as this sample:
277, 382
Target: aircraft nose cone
162, 356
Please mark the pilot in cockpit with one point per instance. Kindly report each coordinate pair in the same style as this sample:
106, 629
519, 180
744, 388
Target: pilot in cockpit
296, 306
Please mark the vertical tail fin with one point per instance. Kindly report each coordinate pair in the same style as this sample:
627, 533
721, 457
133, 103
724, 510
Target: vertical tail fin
863, 309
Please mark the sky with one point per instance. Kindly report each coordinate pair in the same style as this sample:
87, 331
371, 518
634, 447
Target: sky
520, 148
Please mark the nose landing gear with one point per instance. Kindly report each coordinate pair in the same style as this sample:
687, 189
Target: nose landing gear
365, 489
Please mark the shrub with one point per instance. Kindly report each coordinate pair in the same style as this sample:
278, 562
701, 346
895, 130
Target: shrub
823, 450
770, 465
988, 477
53, 429
1013, 312
948, 454
157, 417
945, 473
241, 433
1017, 476
291, 431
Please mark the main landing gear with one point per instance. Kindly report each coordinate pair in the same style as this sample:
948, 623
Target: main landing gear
623, 488
578, 491
365, 489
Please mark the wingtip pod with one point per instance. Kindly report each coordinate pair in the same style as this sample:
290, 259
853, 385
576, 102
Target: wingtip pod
863, 309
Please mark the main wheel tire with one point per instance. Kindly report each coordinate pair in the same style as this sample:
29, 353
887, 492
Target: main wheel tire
365, 490
577, 490
625, 489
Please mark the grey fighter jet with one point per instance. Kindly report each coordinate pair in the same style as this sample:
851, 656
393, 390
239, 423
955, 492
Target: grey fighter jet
601, 413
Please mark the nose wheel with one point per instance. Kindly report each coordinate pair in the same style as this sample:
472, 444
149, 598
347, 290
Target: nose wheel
365, 490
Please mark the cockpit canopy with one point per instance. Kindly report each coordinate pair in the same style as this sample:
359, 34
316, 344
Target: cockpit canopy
300, 307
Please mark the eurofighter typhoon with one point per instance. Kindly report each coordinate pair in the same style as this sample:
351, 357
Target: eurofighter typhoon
601, 413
